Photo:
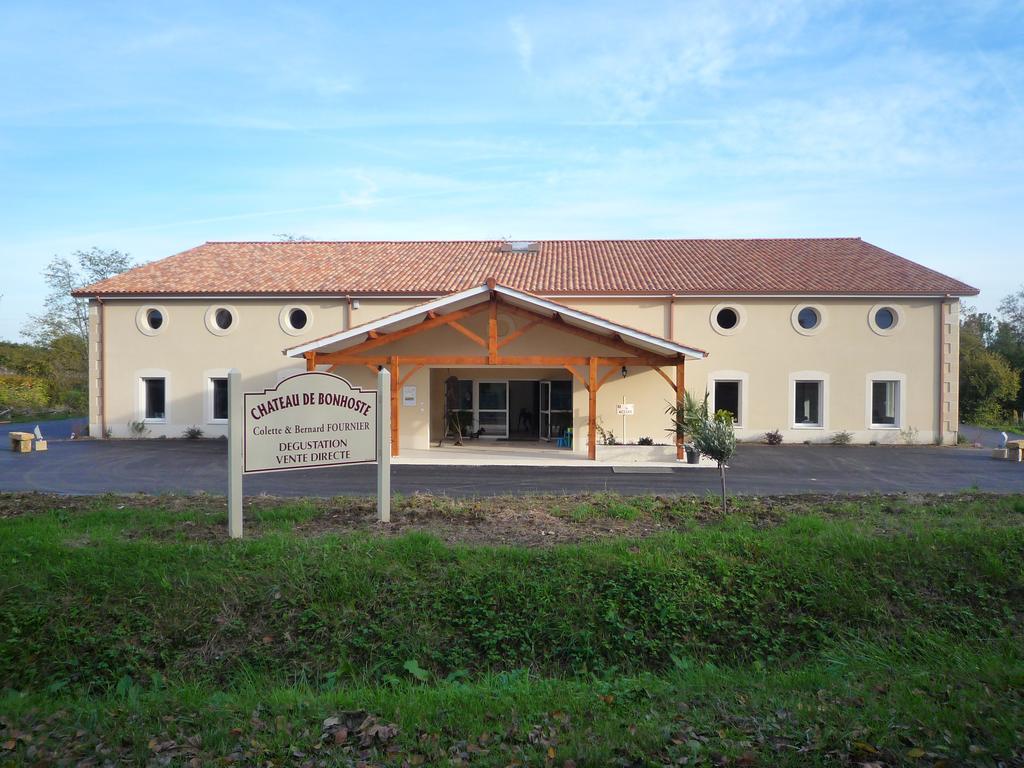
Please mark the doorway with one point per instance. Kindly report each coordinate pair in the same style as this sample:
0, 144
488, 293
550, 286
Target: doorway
523, 410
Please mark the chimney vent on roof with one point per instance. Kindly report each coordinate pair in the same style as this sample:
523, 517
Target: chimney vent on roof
520, 246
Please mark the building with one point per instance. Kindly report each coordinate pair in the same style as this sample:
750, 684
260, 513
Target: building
531, 339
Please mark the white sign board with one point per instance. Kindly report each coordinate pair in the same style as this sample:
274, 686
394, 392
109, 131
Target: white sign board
312, 419
624, 409
409, 394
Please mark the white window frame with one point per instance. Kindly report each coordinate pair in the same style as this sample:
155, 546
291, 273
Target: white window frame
742, 378
741, 318
140, 394
284, 319
210, 319
808, 376
208, 377
142, 319
897, 315
901, 399
794, 319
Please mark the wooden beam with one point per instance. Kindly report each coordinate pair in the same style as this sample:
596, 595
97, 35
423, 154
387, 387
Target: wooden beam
511, 361
680, 392
576, 376
426, 325
664, 375
592, 412
516, 334
395, 373
492, 332
410, 373
467, 333
560, 324
608, 374
311, 361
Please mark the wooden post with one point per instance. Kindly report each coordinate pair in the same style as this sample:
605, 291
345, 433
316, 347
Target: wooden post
680, 394
395, 375
310, 361
492, 333
235, 438
384, 392
592, 412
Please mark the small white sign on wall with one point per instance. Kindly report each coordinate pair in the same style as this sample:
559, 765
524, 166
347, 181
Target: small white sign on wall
409, 394
624, 409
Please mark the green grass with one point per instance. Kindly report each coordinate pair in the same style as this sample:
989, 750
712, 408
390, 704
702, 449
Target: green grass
846, 632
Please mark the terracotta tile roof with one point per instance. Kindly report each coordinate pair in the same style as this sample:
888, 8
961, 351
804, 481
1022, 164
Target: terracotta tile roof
803, 266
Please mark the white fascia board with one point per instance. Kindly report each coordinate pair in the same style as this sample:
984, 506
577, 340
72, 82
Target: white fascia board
660, 345
397, 317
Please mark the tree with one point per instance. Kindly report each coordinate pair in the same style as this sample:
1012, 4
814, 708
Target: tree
988, 383
715, 437
64, 314
1012, 310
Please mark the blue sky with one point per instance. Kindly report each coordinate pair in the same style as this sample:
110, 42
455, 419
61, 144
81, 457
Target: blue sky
152, 127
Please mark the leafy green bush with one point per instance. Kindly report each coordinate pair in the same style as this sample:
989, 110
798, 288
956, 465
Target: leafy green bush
23, 393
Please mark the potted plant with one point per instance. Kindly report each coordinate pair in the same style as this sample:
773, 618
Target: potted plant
686, 416
692, 454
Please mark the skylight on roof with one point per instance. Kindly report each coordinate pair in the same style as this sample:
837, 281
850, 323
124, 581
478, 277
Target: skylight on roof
520, 246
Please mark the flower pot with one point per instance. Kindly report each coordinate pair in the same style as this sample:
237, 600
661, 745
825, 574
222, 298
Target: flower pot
692, 456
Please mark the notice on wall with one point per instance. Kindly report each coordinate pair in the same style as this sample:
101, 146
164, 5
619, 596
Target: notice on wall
624, 409
409, 394
312, 419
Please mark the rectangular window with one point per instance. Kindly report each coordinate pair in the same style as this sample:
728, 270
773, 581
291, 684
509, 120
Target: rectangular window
807, 411
885, 403
727, 398
156, 400
219, 392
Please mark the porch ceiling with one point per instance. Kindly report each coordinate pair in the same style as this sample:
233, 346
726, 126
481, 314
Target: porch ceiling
455, 302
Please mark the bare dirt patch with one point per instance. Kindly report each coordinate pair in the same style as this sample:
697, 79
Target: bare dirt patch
531, 521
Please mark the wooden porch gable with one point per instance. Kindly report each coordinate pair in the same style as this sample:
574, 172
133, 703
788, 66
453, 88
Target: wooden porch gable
598, 369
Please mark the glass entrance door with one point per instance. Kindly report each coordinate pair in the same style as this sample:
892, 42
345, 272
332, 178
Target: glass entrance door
492, 408
545, 410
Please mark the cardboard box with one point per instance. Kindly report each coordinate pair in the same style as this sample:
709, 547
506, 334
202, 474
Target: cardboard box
40, 445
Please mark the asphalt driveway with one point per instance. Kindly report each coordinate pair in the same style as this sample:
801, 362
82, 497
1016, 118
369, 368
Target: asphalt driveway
187, 466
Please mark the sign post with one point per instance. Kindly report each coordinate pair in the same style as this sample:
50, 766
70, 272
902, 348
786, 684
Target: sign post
310, 420
384, 445
624, 409
235, 440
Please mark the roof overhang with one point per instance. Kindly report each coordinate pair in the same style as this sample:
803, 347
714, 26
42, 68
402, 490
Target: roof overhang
454, 302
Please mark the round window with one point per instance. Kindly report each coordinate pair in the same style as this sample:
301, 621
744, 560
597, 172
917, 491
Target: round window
297, 319
221, 320
727, 318
808, 318
885, 318
154, 319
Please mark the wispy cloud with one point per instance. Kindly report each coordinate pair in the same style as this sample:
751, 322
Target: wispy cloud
523, 42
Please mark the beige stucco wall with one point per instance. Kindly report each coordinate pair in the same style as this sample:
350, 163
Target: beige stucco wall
187, 354
766, 353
